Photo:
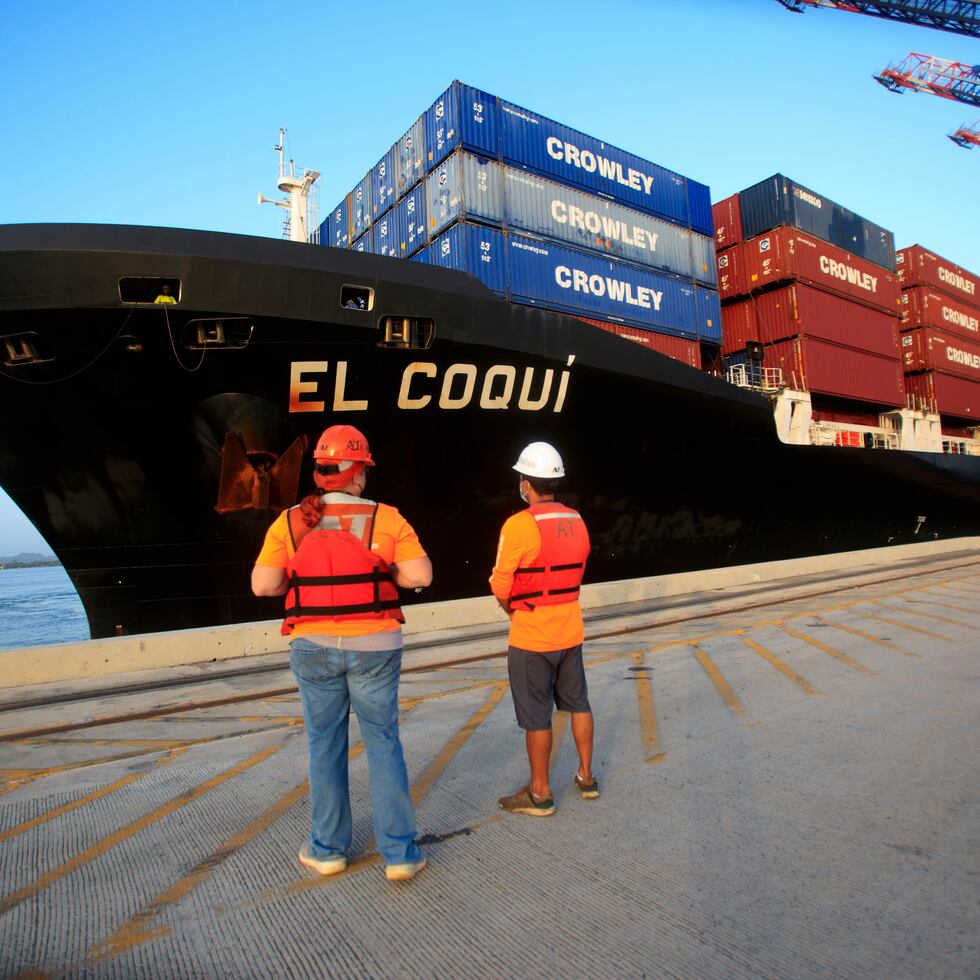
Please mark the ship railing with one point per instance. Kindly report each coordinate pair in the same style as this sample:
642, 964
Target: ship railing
852, 437
753, 375
961, 447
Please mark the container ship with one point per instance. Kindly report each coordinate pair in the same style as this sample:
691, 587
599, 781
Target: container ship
755, 380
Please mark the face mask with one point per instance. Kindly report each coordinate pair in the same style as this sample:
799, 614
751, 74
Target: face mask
520, 490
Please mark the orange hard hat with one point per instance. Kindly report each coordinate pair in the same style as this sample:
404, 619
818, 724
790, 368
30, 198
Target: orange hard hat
343, 442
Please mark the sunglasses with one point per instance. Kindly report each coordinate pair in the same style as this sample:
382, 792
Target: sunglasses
326, 469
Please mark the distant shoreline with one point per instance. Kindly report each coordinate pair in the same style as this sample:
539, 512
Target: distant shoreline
43, 563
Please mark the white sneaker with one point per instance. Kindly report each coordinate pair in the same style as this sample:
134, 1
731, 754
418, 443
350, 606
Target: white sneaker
405, 872
325, 866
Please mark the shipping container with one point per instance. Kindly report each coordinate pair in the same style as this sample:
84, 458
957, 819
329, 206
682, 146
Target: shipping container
359, 208
731, 281
384, 239
944, 393
467, 118
475, 249
679, 348
410, 158
738, 326
843, 416
365, 243
461, 118
786, 254
727, 217
801, 310
563, 279
383, 184
929, 349
825, 368
335, 231
779, 201
554, 277
544, 207
463, 187
408, 217
919, 267
923, 306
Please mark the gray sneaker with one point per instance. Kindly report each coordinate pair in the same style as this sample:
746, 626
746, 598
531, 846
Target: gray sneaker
589, 790
524, 802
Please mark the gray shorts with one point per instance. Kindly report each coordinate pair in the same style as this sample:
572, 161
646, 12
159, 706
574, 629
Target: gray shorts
540, 680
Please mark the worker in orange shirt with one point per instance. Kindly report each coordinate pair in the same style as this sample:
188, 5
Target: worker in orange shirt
540, 562
338, 557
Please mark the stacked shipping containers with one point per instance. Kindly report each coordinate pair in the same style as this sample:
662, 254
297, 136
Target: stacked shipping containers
816, 285
940, 315
543, 215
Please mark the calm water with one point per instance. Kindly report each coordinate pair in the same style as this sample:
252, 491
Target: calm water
39, 606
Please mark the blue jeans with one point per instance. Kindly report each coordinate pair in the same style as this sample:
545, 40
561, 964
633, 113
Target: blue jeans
331, 682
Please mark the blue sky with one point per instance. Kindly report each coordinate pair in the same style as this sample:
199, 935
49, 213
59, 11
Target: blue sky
166, 114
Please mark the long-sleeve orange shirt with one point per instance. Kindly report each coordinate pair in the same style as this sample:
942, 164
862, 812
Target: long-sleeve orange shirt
543, 628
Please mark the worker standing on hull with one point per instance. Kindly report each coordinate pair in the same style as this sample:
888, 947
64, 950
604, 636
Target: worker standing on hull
338, 557
536, 578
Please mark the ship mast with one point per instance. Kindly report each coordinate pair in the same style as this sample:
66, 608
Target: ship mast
301, 221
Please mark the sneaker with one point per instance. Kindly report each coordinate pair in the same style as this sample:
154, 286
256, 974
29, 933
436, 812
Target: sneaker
589, 790
405, 872
523, 802
325, 866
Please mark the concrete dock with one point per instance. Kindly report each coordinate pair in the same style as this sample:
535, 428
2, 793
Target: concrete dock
789, 769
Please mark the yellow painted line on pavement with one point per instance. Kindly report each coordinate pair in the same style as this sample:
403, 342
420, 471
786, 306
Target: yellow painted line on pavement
911, 612
943, 605
905, 626
102, 846
422, 785
134, 931
722, 686
959, 589
648, 714
832, 651
784, 668
13, 832
871, 638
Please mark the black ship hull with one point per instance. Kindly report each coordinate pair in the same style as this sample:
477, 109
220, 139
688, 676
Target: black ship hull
152, 444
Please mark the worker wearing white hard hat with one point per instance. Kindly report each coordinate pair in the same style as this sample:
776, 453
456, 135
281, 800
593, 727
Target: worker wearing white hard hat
536, 578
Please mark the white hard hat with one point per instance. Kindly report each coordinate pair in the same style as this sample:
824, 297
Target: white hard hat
540, 460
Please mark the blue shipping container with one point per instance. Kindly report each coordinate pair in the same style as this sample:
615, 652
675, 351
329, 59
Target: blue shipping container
780, 201
463, 186
359, 206
335, 231
383, 184
558, 278
385, 238
461, 117
473, 249
408, 218
365, 243
468, 118
561, 278
410, 158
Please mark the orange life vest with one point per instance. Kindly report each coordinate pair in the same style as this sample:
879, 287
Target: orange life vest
333, 574
557, 573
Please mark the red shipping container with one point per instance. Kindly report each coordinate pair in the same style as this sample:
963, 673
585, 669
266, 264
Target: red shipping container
945, 393
830, 369
786, 254
845, 417
918, 267
688, 351
929, 349
738, 325
923, 306
731, 282
728, 222
801, 310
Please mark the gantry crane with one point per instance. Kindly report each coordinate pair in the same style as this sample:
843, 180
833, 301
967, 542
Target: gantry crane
924, 73
956, 16
967, 136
